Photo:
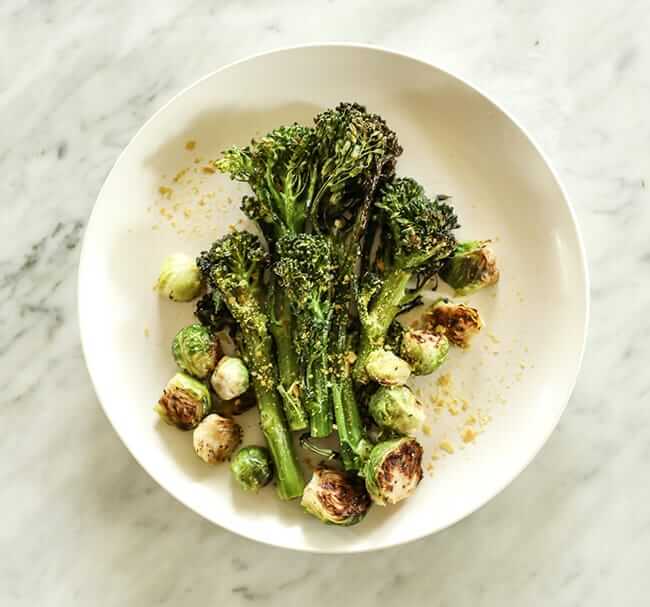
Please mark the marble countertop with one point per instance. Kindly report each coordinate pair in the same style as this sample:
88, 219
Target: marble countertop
83, 524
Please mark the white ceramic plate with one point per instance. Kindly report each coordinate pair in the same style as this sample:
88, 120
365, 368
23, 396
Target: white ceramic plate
512, 385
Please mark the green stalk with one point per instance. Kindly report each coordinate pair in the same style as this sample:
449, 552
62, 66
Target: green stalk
351, 433
352, 438
317, 398
290, 383
290, 481
375, 324
354, 444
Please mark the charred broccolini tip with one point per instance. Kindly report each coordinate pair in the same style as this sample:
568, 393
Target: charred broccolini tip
416, 238
356, 151
305, 272
235, 267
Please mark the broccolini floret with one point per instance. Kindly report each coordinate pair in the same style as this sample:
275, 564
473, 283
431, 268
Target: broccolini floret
416, 238
361, 153
305, 272
235, 266
280, 170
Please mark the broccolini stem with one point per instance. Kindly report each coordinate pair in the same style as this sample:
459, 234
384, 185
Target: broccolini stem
354, 444
375, 326
317, 398
346, 410
290, 381
289, 475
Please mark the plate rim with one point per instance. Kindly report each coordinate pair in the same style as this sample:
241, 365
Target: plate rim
584, 271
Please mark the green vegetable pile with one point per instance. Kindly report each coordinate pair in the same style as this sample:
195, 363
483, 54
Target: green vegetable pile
312, 305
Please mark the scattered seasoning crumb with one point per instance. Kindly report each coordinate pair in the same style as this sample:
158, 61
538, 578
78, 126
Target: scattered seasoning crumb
468, 434
471, 420
207, 169
146, 332
447, 446
187, 213
180, 175
190, 145
444, 380
427, 430
165, 192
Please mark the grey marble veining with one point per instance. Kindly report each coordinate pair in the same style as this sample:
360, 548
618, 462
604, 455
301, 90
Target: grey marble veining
82, 524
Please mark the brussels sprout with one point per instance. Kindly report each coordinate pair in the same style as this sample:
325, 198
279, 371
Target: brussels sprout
195, 350
179, 278
423, 351
457, 321
335, 497
238, 405
252, 468
230, 379
215, 438
393, 470
386, 368
397, 409
184, 402
472, 266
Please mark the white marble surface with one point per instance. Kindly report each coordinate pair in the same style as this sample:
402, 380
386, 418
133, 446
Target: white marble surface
82, 524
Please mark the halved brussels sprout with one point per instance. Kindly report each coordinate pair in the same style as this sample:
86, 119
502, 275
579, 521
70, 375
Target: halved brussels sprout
185, 402
386, 368
238, 405
423, 351
335, 497
397, 409
216, 438
458, 322
195, 350
252, 468
231, 378
179, 278
393, 470
472, 266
